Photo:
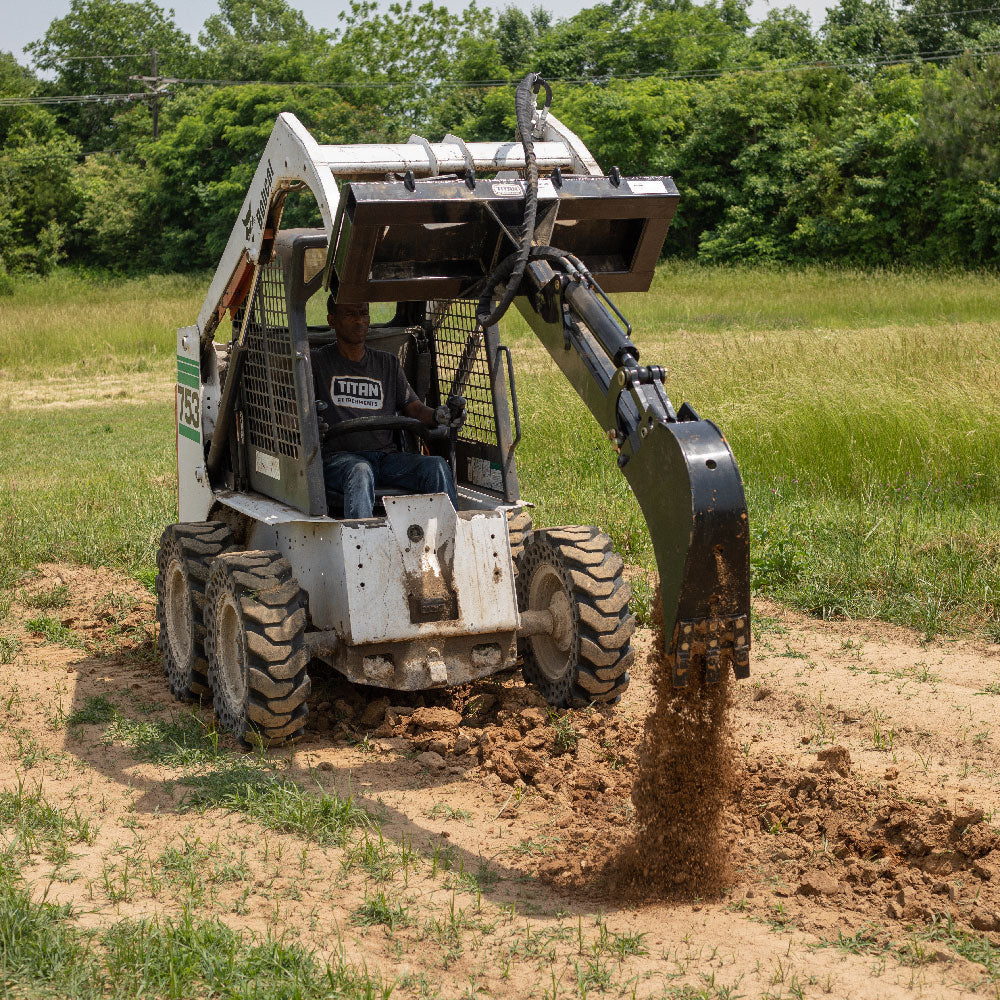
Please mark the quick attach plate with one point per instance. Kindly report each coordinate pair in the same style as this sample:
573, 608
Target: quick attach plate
432, 239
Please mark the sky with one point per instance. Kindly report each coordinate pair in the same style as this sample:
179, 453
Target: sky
22, 22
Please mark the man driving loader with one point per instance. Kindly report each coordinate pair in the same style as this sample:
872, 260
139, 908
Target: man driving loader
353, 380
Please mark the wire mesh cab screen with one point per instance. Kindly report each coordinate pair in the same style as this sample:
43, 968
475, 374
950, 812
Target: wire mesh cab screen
395, 243
274, 396
463, 369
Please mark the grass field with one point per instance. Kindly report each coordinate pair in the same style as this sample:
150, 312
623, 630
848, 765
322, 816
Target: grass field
862, 409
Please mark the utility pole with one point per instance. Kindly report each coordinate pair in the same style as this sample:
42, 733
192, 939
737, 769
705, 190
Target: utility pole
157, 85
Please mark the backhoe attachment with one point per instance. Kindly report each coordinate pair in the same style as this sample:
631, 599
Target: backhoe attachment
679, 466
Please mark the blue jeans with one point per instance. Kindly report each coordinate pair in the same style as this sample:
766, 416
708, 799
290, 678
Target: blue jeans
357, 474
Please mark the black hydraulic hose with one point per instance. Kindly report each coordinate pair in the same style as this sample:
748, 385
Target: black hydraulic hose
525, 105
567, 262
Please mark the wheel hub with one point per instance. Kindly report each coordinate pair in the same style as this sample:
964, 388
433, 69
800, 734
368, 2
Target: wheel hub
547, 592
231, 653
180, 631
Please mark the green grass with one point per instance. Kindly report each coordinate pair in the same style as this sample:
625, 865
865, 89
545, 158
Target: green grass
275, 802
93, 486
181, 742
96, 710
30, 824
53, 630
862, 409
94, 325
43, 953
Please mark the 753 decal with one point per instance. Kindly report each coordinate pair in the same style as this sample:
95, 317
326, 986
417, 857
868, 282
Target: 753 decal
189, 412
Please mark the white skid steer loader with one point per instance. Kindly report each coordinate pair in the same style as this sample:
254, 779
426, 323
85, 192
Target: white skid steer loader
263, 580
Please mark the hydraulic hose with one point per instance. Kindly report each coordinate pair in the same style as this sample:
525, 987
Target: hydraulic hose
525, 106
568, 263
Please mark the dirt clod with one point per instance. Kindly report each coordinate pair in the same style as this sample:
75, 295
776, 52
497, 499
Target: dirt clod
435, 719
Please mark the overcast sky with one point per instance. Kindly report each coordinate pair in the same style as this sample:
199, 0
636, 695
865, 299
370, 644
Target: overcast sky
22, 22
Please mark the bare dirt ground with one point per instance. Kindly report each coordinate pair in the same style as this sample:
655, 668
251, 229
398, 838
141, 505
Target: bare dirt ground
861, 839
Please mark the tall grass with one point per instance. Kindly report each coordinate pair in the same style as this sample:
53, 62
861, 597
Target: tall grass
862, 409
94, 324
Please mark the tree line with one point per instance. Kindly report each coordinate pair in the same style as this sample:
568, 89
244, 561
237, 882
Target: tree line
872, 139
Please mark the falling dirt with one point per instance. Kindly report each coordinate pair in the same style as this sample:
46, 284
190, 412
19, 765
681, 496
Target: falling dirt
683, 786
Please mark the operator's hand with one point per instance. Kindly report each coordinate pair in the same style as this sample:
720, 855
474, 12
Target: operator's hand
324, 427
453, 415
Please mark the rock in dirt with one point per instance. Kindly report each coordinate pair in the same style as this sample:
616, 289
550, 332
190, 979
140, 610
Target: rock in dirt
436, 719
532, 718
818, 884
985, 920
836, 759
966, 817
430, 760
343, 710
374, 713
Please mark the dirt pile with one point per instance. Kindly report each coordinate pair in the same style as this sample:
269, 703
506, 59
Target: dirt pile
839, 840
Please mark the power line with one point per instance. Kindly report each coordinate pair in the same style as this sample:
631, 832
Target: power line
897, 59
16, 102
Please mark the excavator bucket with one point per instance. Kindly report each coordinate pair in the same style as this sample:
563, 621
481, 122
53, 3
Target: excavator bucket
691, 495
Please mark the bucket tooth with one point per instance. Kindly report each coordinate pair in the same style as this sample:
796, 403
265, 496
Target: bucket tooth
681, 665
712, 665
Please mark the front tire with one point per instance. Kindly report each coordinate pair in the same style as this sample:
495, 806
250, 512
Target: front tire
183, 562
574, 573
255, 620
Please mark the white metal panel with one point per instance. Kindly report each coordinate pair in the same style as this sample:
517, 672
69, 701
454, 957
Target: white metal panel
194, 496
382, 158
291, 155
355, 571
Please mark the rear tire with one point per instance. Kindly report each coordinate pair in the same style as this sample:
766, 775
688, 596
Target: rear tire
518, 528
255, 619
183, 562
574, 573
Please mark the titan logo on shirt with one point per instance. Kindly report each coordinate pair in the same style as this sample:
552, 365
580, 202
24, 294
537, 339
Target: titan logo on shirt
357, 393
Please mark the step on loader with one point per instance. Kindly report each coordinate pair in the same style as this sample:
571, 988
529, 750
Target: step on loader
264, 581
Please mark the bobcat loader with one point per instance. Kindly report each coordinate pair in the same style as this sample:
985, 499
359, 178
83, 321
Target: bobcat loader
263, 580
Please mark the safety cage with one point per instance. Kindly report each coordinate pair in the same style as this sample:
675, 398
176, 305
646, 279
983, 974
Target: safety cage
275, 446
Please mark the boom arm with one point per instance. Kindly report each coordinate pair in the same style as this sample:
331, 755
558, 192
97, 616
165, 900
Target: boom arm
679, 466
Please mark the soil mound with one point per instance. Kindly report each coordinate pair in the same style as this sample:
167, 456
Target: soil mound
827, 834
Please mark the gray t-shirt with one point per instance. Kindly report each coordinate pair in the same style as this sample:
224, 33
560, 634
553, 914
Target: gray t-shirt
371, 387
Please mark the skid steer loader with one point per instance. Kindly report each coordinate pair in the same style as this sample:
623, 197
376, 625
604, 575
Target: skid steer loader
263, 580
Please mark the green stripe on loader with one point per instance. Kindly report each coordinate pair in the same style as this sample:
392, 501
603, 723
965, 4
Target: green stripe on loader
190, 381
188, 432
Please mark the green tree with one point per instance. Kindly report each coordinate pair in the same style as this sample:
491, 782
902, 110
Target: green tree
786, 34
39, 195
96, 47
204, 162
962, 136
864, 30
261, 40
950, 25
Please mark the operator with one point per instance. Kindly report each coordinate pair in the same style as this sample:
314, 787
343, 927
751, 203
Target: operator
353, 380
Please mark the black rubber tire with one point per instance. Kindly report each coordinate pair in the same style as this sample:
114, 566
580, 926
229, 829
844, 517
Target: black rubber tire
579, 562
518, 528
183, 562
255, 622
